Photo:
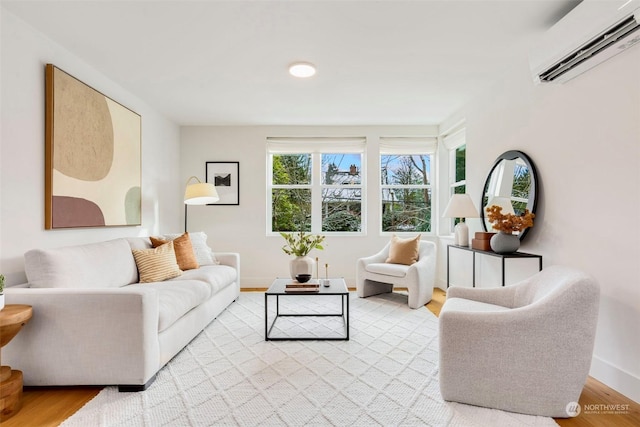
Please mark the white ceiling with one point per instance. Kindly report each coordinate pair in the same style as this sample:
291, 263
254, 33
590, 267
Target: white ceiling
225, 62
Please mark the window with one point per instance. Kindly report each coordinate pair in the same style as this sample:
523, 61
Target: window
316, 184
455, 144
406, 177
342, 192
291, 192
457, 179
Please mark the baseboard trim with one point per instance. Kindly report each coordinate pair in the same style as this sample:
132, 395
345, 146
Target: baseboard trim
618, 379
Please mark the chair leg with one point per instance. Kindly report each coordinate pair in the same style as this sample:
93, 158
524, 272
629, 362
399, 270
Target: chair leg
371, 287
418, 297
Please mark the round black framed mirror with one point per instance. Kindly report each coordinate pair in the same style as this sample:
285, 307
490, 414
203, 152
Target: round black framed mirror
511, 183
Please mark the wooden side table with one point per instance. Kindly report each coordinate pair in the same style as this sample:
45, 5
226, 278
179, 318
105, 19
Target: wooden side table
12, 318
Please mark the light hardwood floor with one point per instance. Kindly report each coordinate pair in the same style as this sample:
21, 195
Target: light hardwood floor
48, 407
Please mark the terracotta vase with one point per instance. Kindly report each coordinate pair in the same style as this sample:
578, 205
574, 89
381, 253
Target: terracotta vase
505, 243
301, 265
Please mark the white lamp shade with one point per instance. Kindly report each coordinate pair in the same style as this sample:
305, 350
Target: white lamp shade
461, 206
201, 193
504, 203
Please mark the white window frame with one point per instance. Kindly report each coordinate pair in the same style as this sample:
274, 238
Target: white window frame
451, 143
408, 146
316, 147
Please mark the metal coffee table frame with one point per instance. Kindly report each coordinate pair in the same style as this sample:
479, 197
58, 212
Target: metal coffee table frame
277, 289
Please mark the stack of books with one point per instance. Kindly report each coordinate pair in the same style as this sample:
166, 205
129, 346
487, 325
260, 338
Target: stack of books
482, 241
301, 288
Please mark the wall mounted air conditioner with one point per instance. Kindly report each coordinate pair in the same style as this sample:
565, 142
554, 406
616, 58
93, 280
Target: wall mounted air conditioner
594, 31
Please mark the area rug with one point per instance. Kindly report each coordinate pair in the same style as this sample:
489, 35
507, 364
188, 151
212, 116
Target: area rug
385, 375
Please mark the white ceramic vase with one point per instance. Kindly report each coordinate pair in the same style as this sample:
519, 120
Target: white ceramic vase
1, 301
301, 265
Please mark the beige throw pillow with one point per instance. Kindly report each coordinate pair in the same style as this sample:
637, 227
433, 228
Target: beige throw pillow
185, 256
403, 251
158, 264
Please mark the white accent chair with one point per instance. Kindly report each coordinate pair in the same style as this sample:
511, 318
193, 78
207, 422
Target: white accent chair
523, 348
374, 276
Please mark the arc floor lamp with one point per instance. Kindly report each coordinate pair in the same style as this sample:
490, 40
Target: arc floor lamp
199, 193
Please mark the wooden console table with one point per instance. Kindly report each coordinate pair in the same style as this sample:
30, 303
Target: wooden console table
503, 257
12, 318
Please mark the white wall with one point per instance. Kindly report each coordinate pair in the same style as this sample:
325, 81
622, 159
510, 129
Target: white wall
584, 138
243, 228
24, 52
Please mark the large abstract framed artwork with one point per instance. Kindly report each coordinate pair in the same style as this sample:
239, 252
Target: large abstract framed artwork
226, 178
92, 157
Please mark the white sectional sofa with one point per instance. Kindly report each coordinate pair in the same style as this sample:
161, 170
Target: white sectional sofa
94, 324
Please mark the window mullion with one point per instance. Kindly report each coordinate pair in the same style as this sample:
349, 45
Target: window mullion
316, 193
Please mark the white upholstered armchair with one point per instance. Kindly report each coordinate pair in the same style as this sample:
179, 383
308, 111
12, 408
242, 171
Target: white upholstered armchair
523, 348
375, 276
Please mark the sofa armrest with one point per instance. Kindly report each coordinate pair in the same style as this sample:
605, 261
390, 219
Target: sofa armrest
379, 257
231, 259
86, 336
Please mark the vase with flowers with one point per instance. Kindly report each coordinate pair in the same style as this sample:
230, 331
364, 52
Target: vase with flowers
505, 241
300, 244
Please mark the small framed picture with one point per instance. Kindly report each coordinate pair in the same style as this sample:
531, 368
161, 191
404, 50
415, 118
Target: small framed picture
226, 178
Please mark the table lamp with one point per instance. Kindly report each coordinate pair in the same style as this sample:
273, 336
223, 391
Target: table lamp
461, 206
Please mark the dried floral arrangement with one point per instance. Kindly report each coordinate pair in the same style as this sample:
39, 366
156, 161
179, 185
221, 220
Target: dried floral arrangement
508, 223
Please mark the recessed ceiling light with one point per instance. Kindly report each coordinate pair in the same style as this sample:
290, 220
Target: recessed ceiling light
302, 69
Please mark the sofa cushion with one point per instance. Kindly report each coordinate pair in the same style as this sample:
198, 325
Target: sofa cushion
157, 264
403, 251
82, 266
176, 298
216, 276
204, 254
395, 270
185, 256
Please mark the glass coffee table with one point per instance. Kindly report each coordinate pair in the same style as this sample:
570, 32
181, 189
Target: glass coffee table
278, 290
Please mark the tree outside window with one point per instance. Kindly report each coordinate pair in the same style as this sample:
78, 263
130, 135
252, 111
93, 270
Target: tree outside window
291, 192
521, 188
341, 192
458, 173
406, 192
338, 190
